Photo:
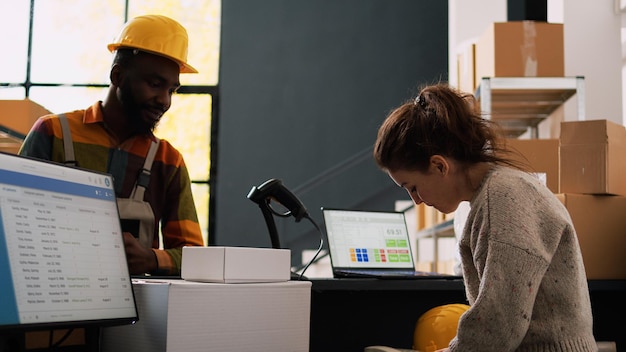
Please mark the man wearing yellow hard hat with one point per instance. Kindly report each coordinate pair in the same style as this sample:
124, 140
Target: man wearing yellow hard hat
116, 136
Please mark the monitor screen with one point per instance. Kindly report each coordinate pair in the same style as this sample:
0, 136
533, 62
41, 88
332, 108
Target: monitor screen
62, 258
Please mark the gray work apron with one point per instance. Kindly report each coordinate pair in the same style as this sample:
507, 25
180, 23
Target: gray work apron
133, 210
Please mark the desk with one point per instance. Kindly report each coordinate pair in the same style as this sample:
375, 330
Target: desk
350, 314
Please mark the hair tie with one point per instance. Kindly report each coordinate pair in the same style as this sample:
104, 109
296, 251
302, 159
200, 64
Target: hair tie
420, 101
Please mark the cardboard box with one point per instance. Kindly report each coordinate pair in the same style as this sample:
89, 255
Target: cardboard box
520, 49
16, 119
592, 157
600, 224
466, 65
235, 264
19, 115
541, 156
179, 315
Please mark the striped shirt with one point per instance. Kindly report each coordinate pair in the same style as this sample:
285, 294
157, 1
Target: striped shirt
169, 191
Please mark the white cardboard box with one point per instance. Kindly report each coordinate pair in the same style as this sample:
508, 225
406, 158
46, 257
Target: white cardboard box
235, 264
179, 315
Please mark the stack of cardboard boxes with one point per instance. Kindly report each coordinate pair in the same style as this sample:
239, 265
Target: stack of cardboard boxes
592, 177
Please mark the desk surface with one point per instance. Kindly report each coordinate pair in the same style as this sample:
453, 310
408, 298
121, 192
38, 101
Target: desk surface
422, 284
425, 284
351, 314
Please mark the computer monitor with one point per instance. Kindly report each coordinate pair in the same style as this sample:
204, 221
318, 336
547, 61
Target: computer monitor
62, 257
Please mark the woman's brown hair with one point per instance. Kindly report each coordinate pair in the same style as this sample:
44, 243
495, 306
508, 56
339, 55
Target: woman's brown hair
440, 120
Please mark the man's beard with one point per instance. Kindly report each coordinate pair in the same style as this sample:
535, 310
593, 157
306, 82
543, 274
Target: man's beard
133, 112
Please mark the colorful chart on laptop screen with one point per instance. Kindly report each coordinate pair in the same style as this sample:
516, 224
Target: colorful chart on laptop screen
368, 239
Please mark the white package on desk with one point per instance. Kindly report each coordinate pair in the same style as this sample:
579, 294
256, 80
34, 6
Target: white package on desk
235, 264
179, 315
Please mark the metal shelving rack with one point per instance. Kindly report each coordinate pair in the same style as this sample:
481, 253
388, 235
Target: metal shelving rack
441, 230
521, 103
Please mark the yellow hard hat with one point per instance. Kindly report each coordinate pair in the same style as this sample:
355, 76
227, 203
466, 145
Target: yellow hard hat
158, 35
437, 327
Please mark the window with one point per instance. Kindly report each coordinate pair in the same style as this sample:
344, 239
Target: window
58, 59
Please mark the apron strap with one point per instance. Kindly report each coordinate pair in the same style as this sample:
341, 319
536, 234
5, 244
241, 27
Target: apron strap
144, 177
68, 146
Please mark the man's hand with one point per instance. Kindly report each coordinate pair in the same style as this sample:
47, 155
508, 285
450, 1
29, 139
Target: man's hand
140, 260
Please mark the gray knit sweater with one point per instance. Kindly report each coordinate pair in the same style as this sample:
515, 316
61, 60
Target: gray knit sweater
523, 271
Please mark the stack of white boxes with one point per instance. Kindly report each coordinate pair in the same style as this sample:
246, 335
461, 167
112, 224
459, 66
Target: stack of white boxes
237, 299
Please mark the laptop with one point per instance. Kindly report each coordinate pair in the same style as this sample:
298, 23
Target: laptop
371, 244
62, 255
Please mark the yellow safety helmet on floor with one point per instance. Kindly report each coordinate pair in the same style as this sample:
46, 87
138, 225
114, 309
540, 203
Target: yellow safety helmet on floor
436, 327
156, 34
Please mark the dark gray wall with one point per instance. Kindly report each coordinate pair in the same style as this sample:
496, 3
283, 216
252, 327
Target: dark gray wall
304, 86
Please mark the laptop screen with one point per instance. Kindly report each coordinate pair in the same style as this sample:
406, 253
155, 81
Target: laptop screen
62, 257
367, 239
